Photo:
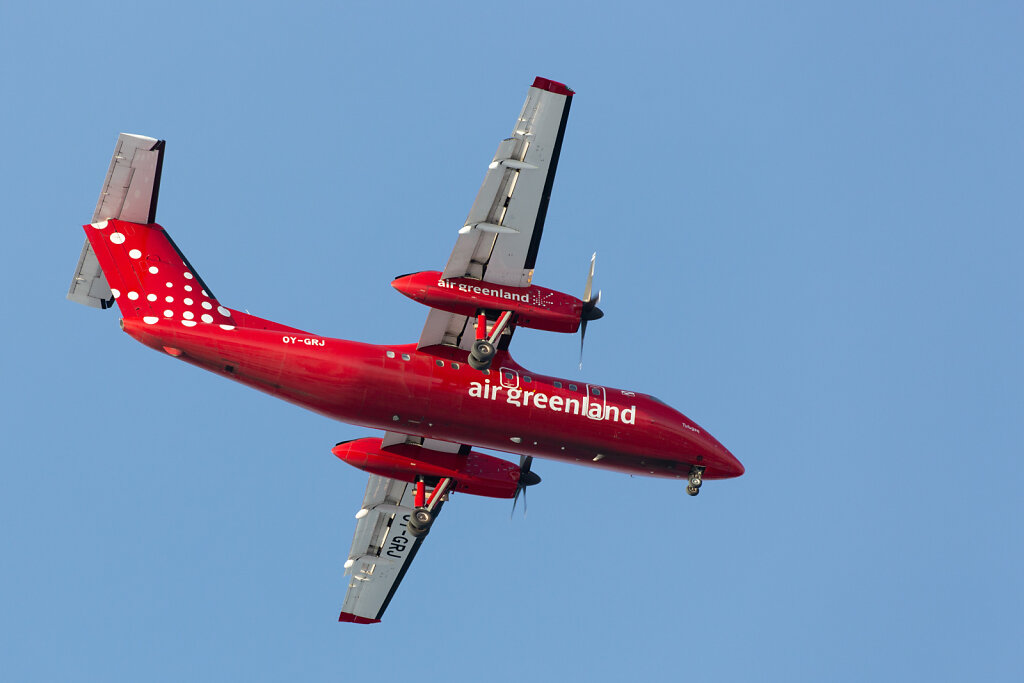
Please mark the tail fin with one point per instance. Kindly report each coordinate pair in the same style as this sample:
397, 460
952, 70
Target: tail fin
150, 278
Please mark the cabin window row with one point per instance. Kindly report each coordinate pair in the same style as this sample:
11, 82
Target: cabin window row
596, 391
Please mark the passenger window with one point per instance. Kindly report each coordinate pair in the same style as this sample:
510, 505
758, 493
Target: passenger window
440, 363
572, 387
526, 378
405, 356
455, 366
390, 354
558, 385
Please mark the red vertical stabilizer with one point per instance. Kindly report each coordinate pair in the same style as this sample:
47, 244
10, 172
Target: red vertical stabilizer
150, 278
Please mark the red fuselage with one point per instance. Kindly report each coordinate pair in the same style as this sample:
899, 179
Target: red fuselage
433, 393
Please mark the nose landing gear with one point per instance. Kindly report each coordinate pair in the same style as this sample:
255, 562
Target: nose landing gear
696, 478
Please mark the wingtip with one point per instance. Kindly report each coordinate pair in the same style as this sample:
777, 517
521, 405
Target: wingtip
553, 86
350, 618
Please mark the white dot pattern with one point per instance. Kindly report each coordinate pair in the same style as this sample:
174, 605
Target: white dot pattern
148, 262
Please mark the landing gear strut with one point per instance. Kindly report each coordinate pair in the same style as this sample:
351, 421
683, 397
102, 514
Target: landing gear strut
422, 516
486, 346
696, 478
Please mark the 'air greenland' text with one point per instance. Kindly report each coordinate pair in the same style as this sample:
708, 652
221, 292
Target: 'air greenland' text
486, 291
595, 410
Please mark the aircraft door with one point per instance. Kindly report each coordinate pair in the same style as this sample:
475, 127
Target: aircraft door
597, 400
509, 378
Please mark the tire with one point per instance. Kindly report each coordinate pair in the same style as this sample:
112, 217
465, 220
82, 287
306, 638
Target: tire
420, 521
483, 350
692, 490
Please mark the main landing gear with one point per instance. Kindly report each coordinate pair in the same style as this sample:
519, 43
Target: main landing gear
696, 478
485, 346
482, 354
422, 516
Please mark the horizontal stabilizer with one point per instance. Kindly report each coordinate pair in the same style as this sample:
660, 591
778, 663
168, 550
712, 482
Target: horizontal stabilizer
129, 193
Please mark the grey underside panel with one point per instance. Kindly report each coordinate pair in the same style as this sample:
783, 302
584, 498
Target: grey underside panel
129, 193
504, 223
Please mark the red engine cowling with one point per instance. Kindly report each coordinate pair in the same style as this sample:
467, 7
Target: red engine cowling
476, 473
537, 307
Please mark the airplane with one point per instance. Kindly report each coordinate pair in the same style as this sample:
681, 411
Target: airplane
437, 400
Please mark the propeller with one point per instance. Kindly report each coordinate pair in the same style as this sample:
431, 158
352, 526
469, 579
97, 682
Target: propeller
590, 309
526, 478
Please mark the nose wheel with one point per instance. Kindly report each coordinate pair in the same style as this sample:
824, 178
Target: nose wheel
696, 478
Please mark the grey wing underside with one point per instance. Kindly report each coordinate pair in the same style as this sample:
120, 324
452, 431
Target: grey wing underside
129, 193
501, 236
382, 549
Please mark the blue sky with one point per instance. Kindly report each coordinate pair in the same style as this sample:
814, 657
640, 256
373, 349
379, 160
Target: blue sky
808, 225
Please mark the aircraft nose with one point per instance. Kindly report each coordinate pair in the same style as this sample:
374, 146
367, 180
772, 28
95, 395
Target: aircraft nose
731, 466
724, 464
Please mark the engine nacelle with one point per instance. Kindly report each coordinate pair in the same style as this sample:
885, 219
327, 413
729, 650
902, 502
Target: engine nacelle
537, 307
476, 473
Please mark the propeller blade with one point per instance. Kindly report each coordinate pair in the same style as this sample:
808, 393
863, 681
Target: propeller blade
590, 279
526, 478
583, 336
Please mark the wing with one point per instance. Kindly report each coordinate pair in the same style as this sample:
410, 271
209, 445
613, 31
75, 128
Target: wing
129, 193
501, 237
382, 549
